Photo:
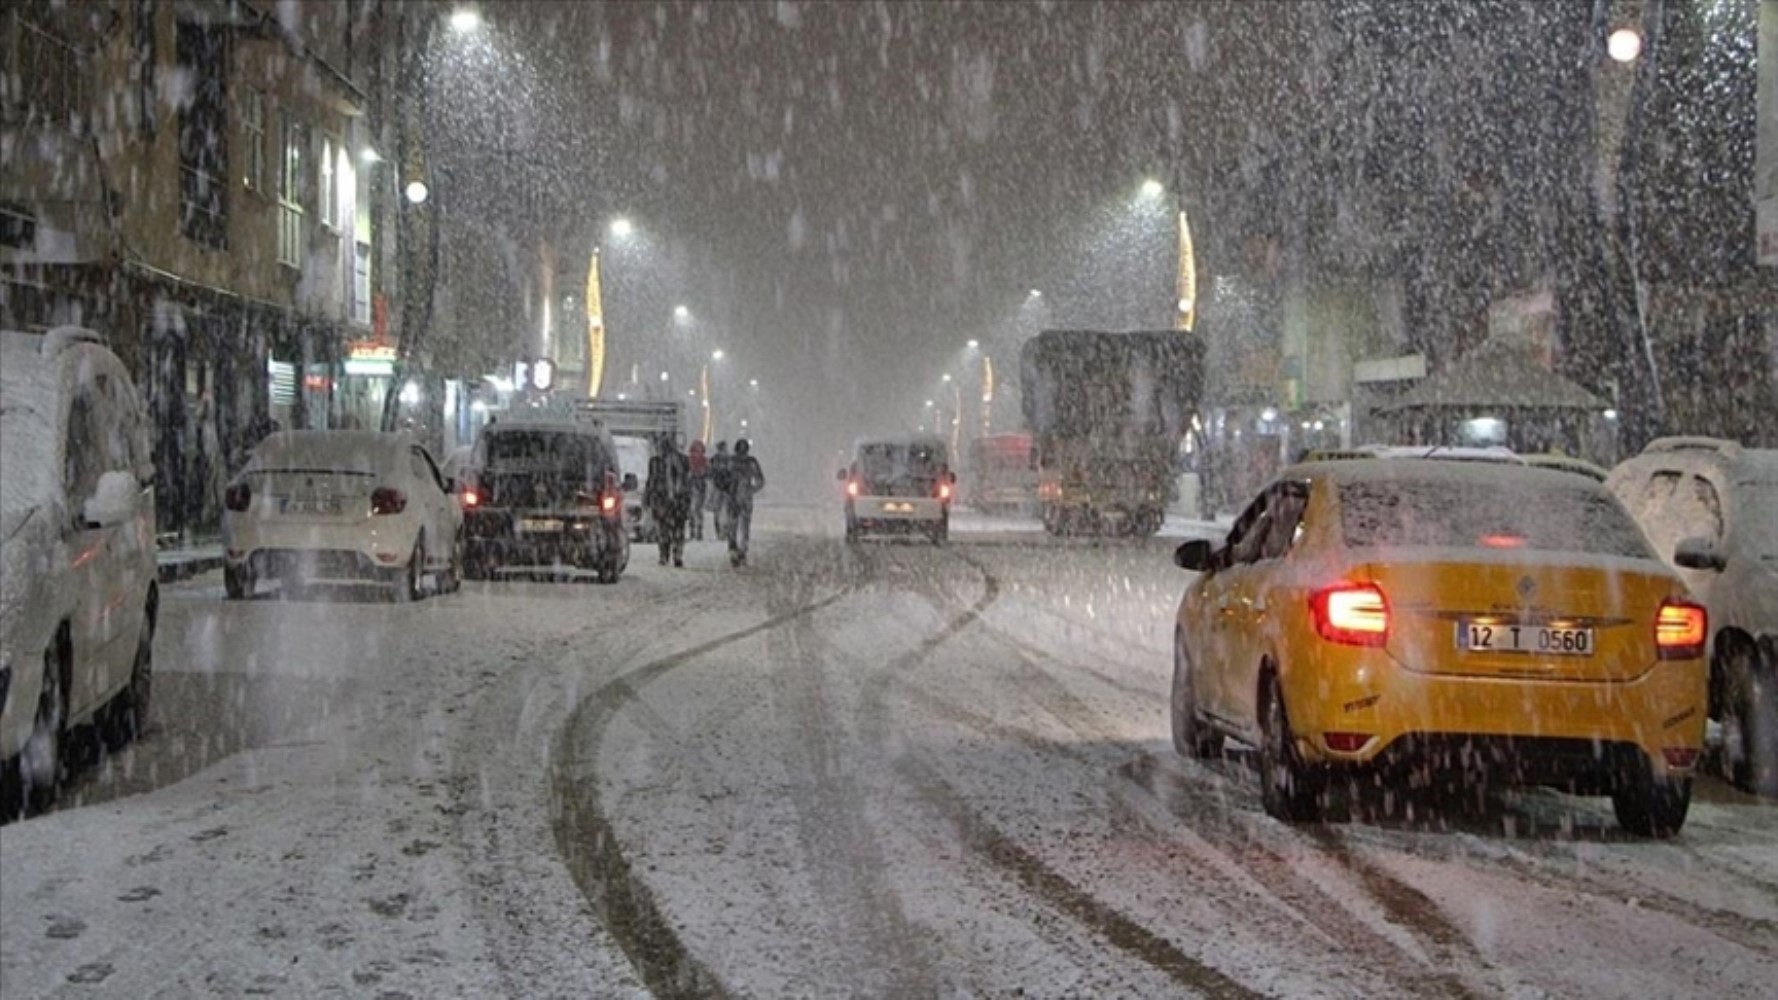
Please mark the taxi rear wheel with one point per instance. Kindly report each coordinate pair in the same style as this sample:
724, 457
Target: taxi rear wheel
1288, 788
1649, 806
1191, 738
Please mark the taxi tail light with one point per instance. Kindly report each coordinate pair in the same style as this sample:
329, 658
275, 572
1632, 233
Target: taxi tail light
609, 499
238, 497
852, 488
1354, 614
471, 498
387, 500
944, 492
1680, 630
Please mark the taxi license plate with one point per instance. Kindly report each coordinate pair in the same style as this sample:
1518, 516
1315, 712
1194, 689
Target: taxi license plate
898, 508
539, 524
1542, 640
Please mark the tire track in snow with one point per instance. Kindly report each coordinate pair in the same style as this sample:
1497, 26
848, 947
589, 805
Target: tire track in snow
1401, 903
589, 844
869, 926
983, 840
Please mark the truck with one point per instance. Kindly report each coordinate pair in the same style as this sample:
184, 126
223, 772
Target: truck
634, 426
1107, 412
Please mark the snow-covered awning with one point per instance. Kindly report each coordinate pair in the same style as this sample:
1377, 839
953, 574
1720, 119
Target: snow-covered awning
1495, 376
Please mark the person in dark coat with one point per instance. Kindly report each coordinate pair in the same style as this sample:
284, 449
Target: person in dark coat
700, 482
668, 497
746, 480
721, 481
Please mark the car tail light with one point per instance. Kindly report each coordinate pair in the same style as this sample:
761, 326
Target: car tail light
1680, 630
387, 500
471, 498
852, 487
610, 498
1355, 614
238, 497
944, 492
1502, 541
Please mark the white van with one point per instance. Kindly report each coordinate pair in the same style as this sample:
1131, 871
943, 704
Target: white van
899, 485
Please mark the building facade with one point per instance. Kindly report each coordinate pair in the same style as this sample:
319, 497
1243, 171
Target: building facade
204, 183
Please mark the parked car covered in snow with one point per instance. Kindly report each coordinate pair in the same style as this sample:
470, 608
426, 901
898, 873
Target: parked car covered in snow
78, 595
341, 507
1711, 509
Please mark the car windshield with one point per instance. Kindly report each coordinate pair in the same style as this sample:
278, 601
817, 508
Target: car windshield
366, 658
1537, 515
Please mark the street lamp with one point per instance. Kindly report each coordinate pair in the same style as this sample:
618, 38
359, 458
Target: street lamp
1152, 188
1036, 294
716, 355
622, 227
946, 377
465, 20
417, 191
681, 313
974, 344
753, 383
1624, 45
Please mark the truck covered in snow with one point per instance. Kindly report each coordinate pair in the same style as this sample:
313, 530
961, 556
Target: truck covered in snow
1107, 412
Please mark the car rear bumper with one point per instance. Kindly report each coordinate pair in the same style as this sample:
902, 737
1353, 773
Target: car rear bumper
897, 510
322, 552
494, 539
1511, 724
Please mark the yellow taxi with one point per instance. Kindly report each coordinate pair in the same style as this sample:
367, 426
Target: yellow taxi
1447, 624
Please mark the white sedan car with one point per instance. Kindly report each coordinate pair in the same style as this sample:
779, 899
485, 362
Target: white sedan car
342, 507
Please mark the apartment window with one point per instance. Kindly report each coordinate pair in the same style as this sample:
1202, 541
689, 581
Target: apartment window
361, 285
327, 205
290, 204
52, 79
253, 123
203, 135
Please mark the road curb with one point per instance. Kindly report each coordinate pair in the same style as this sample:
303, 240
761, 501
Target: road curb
184, 569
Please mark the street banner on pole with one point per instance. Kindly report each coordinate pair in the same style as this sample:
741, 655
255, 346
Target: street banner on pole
1765, 163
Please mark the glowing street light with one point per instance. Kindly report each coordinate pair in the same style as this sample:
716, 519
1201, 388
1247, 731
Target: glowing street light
946, 377
753, 383
465, 20
1624, 45
622, 227
417, 191
716, 355
1152, 188
681, 313
664, 376
974, 344
1036, 294
370, 155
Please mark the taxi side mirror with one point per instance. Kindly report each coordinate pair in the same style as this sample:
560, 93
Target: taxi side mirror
1195, 555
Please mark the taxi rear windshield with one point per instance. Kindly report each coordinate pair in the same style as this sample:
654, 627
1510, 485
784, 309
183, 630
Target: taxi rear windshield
1478, 514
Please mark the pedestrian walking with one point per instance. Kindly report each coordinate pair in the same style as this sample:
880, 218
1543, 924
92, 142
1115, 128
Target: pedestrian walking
668, 497
746, 480
700, 482
721, 482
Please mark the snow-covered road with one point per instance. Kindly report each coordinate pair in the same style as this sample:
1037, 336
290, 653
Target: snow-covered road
887, 770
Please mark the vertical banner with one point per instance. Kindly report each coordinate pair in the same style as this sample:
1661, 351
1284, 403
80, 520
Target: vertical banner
1765, 163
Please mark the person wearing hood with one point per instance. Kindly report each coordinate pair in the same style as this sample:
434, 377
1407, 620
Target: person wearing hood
746, 480
668, 496
700, 481
721, 481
